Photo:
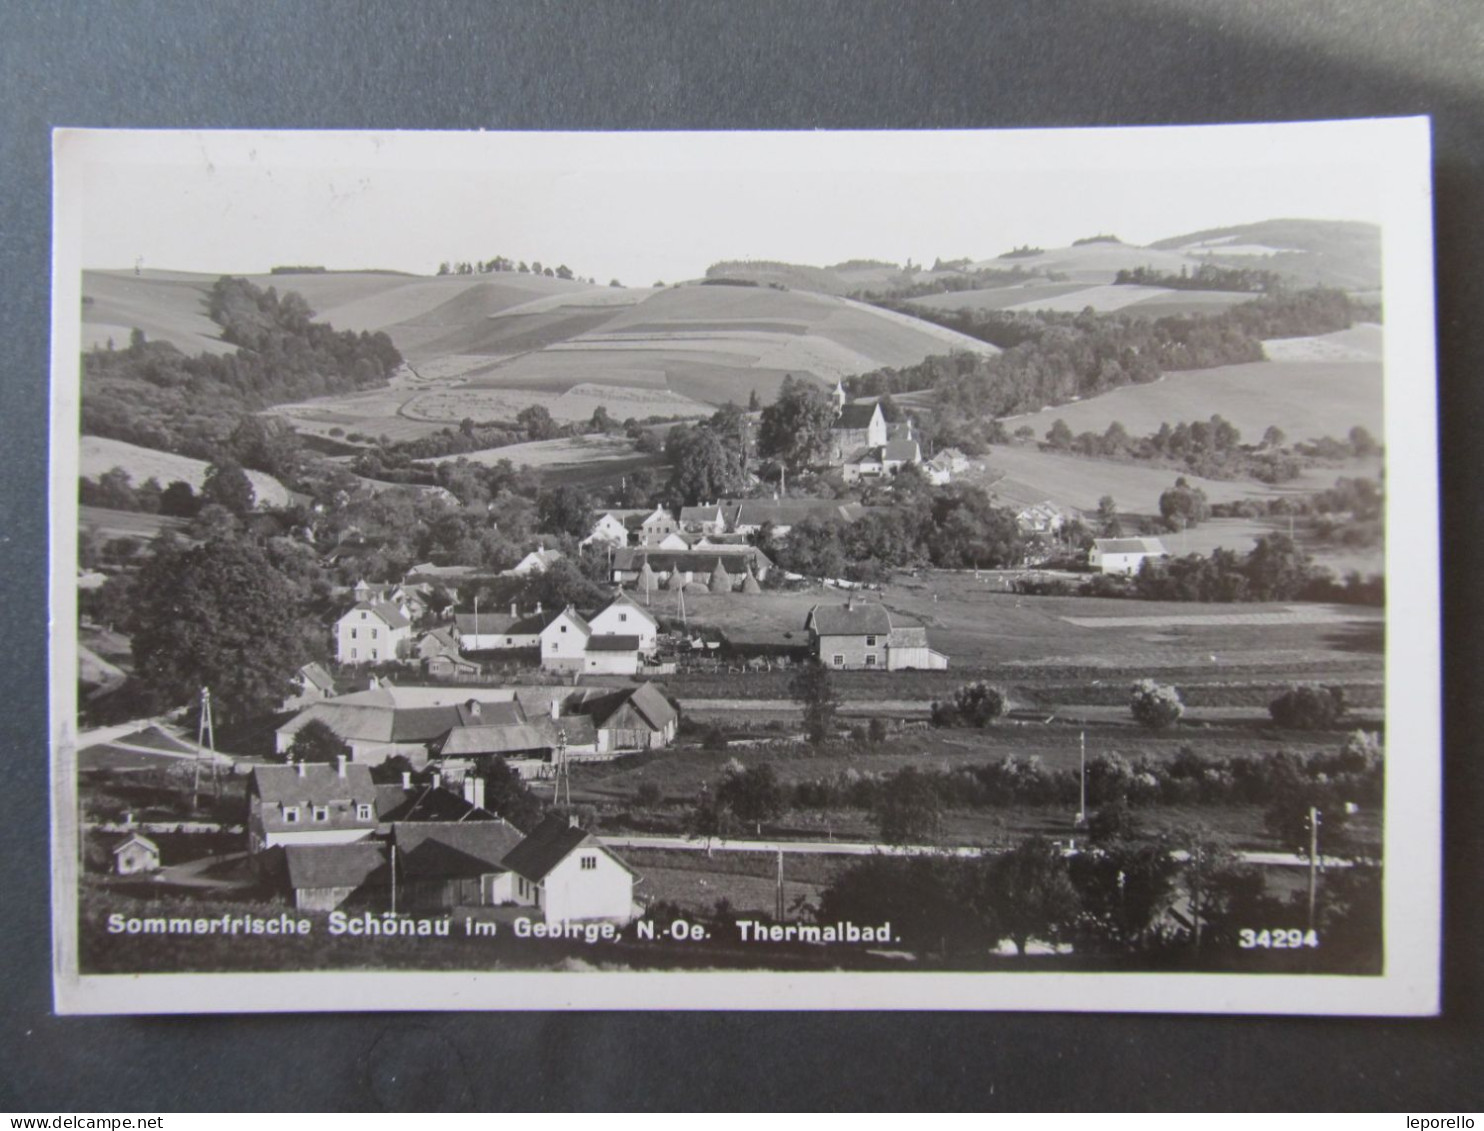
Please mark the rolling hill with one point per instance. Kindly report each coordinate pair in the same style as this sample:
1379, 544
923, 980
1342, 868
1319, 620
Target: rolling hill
670, 351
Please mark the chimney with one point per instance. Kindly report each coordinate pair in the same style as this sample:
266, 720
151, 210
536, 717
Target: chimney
406, 779
573, 821
472, 706
513, 612
437, 779
556, 707
474, 791
299, 768
340, 765
538, 608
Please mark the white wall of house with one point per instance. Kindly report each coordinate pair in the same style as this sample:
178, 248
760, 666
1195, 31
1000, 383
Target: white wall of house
563, 644
285, 837
1120, 563
919, 658
588, 884
612, 663
362, 637
623, 619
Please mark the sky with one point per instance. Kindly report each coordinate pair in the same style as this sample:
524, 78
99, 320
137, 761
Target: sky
649, 207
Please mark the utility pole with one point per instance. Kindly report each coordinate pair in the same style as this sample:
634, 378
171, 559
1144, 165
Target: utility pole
204, 731
564, 777
1082, 779
779, 909
1313, 860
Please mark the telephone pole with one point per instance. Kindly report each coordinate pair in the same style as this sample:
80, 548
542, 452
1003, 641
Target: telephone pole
207, 732
1313, 860
1082, 779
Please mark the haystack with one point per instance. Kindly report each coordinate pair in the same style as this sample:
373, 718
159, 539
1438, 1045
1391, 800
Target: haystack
750, 585
721, 580
676, 582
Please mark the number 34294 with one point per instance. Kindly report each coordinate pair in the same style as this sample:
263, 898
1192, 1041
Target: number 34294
1283, 938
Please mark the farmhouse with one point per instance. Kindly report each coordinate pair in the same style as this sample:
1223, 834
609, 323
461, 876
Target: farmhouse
608, 529
134, 854
444, 865
563, 641
490, 631
371, 633
857, 636
1041, 518
656, 525
537, 561
708, 519
569, 876
690, 565
782, 515
323, 877
309, 803
1124, 555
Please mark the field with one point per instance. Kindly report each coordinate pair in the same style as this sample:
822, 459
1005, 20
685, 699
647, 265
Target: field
99, 455
1150, 302
575, 404
594, 451
1321, 387
126, 524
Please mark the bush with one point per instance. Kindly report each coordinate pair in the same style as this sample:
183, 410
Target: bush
1308, 708
1156, 705
973, 704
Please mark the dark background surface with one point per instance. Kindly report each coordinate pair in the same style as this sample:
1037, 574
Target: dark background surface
696, 66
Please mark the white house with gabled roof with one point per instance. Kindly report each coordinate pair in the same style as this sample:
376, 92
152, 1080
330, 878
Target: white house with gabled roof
623, 616
564, 641
371, 633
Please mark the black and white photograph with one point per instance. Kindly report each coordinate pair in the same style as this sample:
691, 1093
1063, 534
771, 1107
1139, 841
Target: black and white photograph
749, 570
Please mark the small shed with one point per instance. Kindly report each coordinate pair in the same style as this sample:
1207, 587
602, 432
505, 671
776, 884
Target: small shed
134, 854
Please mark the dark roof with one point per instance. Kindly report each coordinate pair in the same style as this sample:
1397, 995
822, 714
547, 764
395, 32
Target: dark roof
857, 415
790, 512
387, 612
519, 738
335, 865
553, 840
422, 724
424, 803
485, 623
613, 644
314, 674
645, 699
904, 450
460, 850
502, 714
850, 620
580, 729
319, 785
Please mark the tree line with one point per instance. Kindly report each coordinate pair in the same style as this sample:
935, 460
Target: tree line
153, 395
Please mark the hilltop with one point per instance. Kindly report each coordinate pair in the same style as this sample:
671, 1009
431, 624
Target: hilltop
683, 347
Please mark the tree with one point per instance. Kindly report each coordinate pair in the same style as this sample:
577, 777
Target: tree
979, 704
507, 795
1308, 708
1274, 437
179, 501
1362, 443
795, 428
753, 794
1123, 888
537, 422
909, 811
316, 742
1026, 893
703, 466
1156, 705
1059, 436
1184, 506
754, 403
227, 485
813, 688
220, 616
565, 509
920, 896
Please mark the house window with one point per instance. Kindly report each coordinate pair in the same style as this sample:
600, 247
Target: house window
509, 641
352, 653
870, 642
623, 618
589, 863
839, 660
321, 813
554, 645
363, 616
564, 628
363, 812
291, 815
373, 653
373, 634
870, 661
352, 634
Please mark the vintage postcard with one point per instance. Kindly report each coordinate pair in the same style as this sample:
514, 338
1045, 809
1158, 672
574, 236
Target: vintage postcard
951, 570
